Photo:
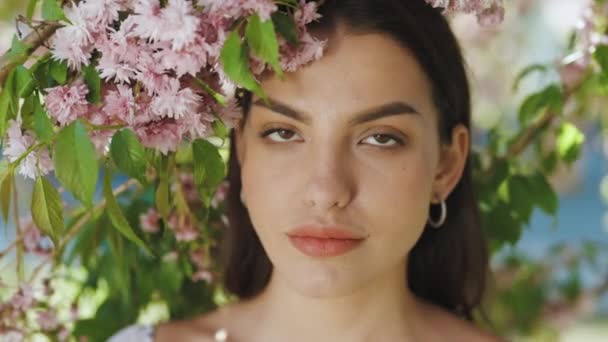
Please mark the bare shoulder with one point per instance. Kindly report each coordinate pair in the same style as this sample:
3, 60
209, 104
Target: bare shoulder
455, 328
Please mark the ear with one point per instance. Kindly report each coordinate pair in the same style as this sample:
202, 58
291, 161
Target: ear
452, 162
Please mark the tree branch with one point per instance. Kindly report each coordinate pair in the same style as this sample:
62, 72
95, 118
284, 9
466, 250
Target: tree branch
34, 39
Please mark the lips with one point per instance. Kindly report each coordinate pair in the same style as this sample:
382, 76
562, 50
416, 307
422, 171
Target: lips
324, 241
328, 232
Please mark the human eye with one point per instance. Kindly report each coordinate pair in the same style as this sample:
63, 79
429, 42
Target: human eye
382, 140
278, 132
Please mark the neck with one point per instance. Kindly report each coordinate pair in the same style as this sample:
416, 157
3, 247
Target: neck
382, 310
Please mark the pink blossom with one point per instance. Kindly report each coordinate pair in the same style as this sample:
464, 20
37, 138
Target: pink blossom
291, 57
151, 74
120, 104
198, 257
306, 13
176, 23
232, 114
264, 8
173, 102
491, 16
183, 227
489, 12
24, 298
63, 334
163, 135
119, 54
68, 102
100, 138
149, 221
179, 23
13, 336
190, 59
202, 275
572, 74
17, 143
74, 42
197, 124
147, 18
32, 238
186, 182
101, 13
239, 8
220, 193
48, 320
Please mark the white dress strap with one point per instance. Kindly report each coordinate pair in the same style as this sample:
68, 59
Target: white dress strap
134, 333
145, 333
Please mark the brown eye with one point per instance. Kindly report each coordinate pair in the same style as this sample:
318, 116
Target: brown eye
383, 139
281, 133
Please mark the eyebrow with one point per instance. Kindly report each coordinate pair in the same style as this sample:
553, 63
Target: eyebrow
385, 110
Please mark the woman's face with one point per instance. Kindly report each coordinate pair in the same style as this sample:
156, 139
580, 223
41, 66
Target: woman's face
338, 164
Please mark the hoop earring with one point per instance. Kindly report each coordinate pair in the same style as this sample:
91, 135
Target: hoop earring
444, 214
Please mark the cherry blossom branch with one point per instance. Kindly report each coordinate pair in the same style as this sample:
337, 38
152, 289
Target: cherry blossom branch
78, 225
34, 39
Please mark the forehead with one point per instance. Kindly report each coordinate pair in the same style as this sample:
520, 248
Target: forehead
356, 71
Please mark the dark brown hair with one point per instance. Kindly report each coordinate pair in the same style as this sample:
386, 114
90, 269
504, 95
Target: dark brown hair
447, 266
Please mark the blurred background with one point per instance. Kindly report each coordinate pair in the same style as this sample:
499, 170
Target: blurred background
552, 284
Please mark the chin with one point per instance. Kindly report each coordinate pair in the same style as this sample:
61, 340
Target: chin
324, 282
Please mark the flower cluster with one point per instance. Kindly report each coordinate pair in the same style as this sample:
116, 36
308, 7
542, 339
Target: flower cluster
160, 68
13, 313
488, 12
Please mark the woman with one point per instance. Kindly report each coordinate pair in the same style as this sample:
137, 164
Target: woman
368, 146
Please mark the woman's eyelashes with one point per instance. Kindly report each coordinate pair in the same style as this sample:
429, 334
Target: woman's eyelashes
382, 140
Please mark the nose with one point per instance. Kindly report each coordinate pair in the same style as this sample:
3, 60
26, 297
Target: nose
330, 180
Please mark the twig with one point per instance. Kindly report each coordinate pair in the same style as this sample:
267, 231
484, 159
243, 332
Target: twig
19, 261
34, 40
78, 225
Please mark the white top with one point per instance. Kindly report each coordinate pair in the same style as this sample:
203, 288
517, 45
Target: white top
145, 333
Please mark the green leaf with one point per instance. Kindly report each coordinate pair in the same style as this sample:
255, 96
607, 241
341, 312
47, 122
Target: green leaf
217, 96
93, 81
75, 162
550, 98
263, 40
17, 51
220, 129
58, 70
601, 56
24, 81
6, 190
52, 11
516, 192
31, 7
235, 61
129, 154
526, 72
569, 142
47, 211
209, 167
42, 123
543, 193
8, 102
286, 26
117, 217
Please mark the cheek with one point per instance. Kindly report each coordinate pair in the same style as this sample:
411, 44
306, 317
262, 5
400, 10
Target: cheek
397, 201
